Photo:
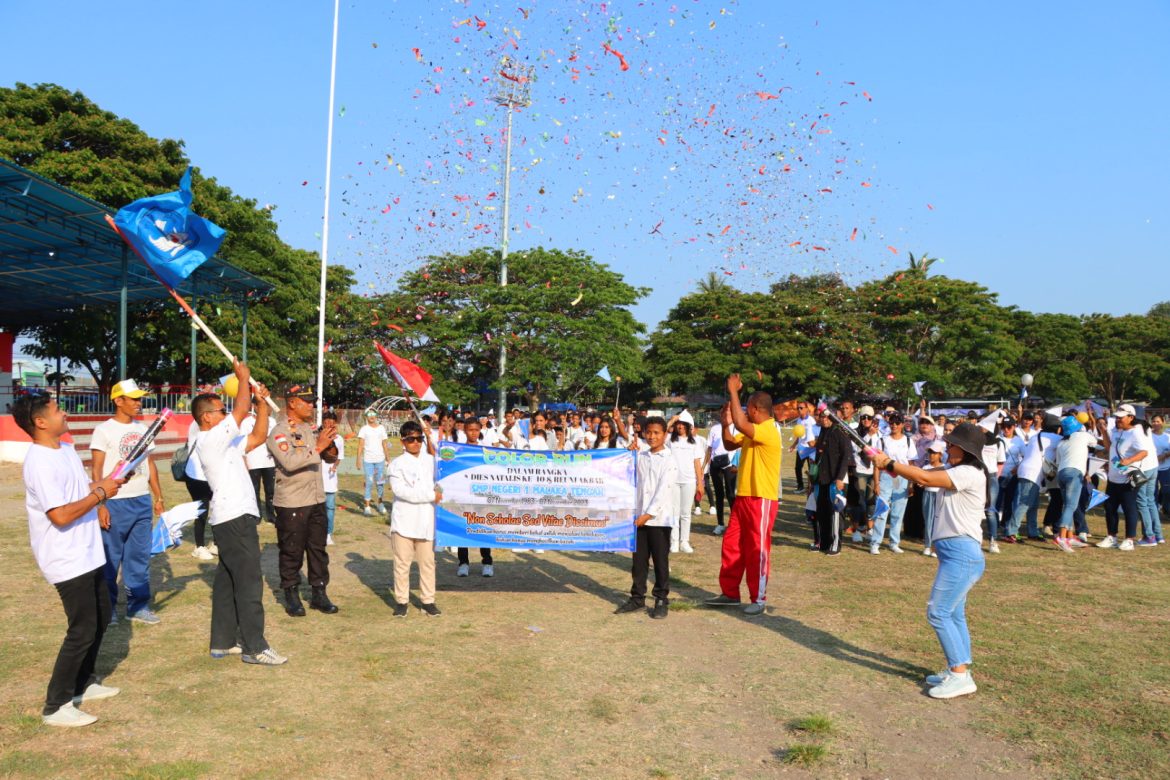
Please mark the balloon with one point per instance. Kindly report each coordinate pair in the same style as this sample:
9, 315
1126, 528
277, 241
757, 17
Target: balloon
798, 431
1083, 418
231, 386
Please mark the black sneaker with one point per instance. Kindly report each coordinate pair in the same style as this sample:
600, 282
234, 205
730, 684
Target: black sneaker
721, 601
629, 606
431, 610
399, 610
660, 610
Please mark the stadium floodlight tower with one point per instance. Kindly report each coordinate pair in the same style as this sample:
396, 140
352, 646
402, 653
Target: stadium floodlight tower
513, 91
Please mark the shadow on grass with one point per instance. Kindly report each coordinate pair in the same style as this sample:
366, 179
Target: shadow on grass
166, 586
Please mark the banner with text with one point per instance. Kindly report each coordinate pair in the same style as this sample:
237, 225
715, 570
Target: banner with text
581, 500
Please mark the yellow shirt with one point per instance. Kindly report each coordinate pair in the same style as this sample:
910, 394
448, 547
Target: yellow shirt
759, 462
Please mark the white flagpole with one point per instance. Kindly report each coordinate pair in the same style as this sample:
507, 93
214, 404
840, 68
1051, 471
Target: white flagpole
325, 226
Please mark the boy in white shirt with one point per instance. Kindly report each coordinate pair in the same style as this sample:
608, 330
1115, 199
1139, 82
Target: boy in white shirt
657, 476
237, 606
66, 541
372, 454
412, 520
129, 518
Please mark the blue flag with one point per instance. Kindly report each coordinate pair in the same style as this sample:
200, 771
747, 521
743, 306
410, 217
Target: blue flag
171, 238
604, 374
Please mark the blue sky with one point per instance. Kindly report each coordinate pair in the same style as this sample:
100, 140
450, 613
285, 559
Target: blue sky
1024, 143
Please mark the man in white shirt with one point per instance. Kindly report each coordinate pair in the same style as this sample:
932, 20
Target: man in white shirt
128, 519
262, 470
372, 454
237, 607
723, 473
805, 445
64, 533
412, 520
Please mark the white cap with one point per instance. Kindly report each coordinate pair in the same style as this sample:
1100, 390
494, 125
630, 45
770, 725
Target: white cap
938, 445
1125, 410
685, 417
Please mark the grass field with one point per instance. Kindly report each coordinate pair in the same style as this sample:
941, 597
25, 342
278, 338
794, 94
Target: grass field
530, 675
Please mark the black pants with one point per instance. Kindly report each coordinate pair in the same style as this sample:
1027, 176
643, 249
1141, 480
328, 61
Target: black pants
485, 555
798, 467
1056, 507
237, 595
267, 477
200, 491
828, 521
1121, 494
300, 534
653, 542
87, 608
861, 499
723, 480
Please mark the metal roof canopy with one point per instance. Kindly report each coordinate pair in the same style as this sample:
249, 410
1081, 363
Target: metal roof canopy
57, 253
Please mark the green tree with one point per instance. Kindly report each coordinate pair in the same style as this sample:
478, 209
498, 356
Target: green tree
1053, 351
561, 317
1123, 356
64, 136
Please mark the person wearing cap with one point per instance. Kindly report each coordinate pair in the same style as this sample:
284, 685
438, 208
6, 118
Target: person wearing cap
891, 488
128, 519
301, 521
747, 544
1126, 453
687, 452
957, 543
372, 454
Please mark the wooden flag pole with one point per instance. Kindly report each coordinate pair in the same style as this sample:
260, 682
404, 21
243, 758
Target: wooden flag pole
190, 312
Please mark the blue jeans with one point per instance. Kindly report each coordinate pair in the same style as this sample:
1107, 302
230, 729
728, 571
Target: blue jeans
991, 511
330, 510
375, 477
1027, 502
895, 492
1072, 483
929, 503
960, 565
1164, 491
127, 544
1148, 505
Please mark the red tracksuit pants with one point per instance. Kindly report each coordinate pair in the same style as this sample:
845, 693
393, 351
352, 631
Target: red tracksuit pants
747, 548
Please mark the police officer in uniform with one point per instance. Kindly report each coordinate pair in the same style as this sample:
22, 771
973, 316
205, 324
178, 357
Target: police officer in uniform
301, 524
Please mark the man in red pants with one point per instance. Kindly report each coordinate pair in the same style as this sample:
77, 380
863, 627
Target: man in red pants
747, 544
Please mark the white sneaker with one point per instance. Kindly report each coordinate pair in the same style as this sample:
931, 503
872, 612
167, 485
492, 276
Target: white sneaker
1083, 536
1076, 542
95, 692
1063, 544
381, 508
686, 548
1108, 542
857, 537
367, 511
463, 570
267, 658
993, 548
719, 530
489, 570
674, 548
1127, 545
927, 552
202, 554
711, 510
328, 539
955, 684
211, 548
896, 549
68, 716
875, 549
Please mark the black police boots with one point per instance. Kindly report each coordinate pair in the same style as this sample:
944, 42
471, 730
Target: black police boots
292, 602
321, 602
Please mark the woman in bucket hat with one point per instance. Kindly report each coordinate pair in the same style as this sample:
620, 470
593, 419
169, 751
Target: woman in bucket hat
957, 543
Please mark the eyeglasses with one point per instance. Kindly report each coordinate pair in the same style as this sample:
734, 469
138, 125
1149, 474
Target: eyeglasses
867, 416
220, 410
411, 439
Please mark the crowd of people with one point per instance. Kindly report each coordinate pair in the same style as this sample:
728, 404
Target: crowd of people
960, 482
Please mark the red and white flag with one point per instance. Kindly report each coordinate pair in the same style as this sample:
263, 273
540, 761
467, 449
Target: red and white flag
411, 378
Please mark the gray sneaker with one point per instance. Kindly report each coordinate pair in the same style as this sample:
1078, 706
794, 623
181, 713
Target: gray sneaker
753, 609
146, 615
721, 601
954, 685
268, 657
